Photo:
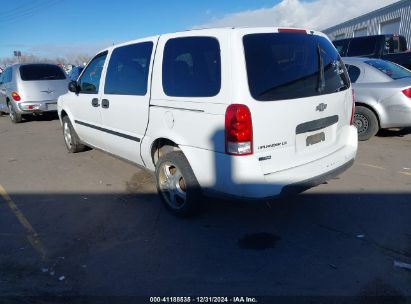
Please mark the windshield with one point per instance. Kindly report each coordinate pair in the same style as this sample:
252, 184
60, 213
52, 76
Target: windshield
292, 65
390, 69
41, 72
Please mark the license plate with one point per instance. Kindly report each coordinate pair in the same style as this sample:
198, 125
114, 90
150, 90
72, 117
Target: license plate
52, 106
315, 139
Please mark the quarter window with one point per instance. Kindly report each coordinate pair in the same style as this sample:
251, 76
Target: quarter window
192, 67
90, 79
7, 75
353, 72
127, 72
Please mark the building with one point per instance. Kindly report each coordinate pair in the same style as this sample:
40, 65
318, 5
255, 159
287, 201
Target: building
392, 19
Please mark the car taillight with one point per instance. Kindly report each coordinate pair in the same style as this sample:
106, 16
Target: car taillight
291, 30
407, 92
238, 130
353, 108
15, 96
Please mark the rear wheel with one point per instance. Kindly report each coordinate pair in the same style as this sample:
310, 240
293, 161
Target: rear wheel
366, 122
71, 138
177, 185
14, 116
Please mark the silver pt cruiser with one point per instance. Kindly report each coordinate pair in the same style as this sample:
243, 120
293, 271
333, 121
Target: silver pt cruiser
31, 88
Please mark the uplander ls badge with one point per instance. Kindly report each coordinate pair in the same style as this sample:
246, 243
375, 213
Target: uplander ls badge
321, 107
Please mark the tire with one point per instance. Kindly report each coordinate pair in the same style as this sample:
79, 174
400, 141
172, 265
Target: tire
177, 185
71, 138
14, 116
366, 122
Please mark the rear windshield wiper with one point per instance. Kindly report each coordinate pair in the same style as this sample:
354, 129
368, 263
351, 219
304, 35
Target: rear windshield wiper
321, 81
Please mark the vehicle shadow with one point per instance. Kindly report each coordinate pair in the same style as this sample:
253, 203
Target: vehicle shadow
40, 117
125, 244
394, 132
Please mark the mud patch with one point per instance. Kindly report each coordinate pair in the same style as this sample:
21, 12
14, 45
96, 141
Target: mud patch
258, 241
141, 181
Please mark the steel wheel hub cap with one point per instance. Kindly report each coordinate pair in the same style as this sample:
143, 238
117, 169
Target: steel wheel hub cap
361, 122
172, 185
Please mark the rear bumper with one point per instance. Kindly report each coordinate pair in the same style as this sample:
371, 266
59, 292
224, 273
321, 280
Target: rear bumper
315, 181
242, 177
36, 106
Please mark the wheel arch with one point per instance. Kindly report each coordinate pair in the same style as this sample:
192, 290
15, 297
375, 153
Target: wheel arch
162, 146
372, 109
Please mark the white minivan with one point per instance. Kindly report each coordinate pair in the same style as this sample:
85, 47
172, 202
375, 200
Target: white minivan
248, 113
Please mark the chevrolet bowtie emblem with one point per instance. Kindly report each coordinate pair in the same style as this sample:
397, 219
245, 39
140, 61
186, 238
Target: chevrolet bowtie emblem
321, 107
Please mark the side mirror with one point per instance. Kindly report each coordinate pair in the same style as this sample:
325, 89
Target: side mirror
73, 87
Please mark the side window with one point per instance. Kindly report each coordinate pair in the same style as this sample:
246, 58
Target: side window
354, 72
128, 69
340, 46
90, 80
192, 67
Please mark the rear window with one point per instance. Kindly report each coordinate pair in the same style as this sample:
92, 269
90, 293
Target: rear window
390, 69
364, 46
292, 65
41, 72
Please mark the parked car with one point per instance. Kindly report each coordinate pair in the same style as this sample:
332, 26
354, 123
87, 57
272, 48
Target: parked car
31, 88
75, 72
382, 95
246, 113
387, 47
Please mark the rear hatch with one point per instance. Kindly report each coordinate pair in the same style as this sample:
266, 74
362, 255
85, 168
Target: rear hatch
302, 98
42, 82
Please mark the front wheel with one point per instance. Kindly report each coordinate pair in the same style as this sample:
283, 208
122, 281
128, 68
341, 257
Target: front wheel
366, 122
71, 138
177, 185
14, 116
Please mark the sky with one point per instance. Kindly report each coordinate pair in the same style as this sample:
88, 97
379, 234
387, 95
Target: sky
59, 28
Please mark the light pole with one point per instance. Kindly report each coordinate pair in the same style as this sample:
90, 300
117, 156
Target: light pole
18, 55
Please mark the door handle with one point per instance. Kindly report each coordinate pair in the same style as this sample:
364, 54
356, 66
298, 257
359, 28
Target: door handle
105, 103
94, 102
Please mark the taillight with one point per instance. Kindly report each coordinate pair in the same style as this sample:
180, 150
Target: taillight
238, 130
15, 96
407, 92
291, 30
353, 108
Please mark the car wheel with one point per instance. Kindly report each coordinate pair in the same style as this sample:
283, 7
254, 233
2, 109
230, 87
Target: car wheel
71, 138
14, 116
366, 122
177, 185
